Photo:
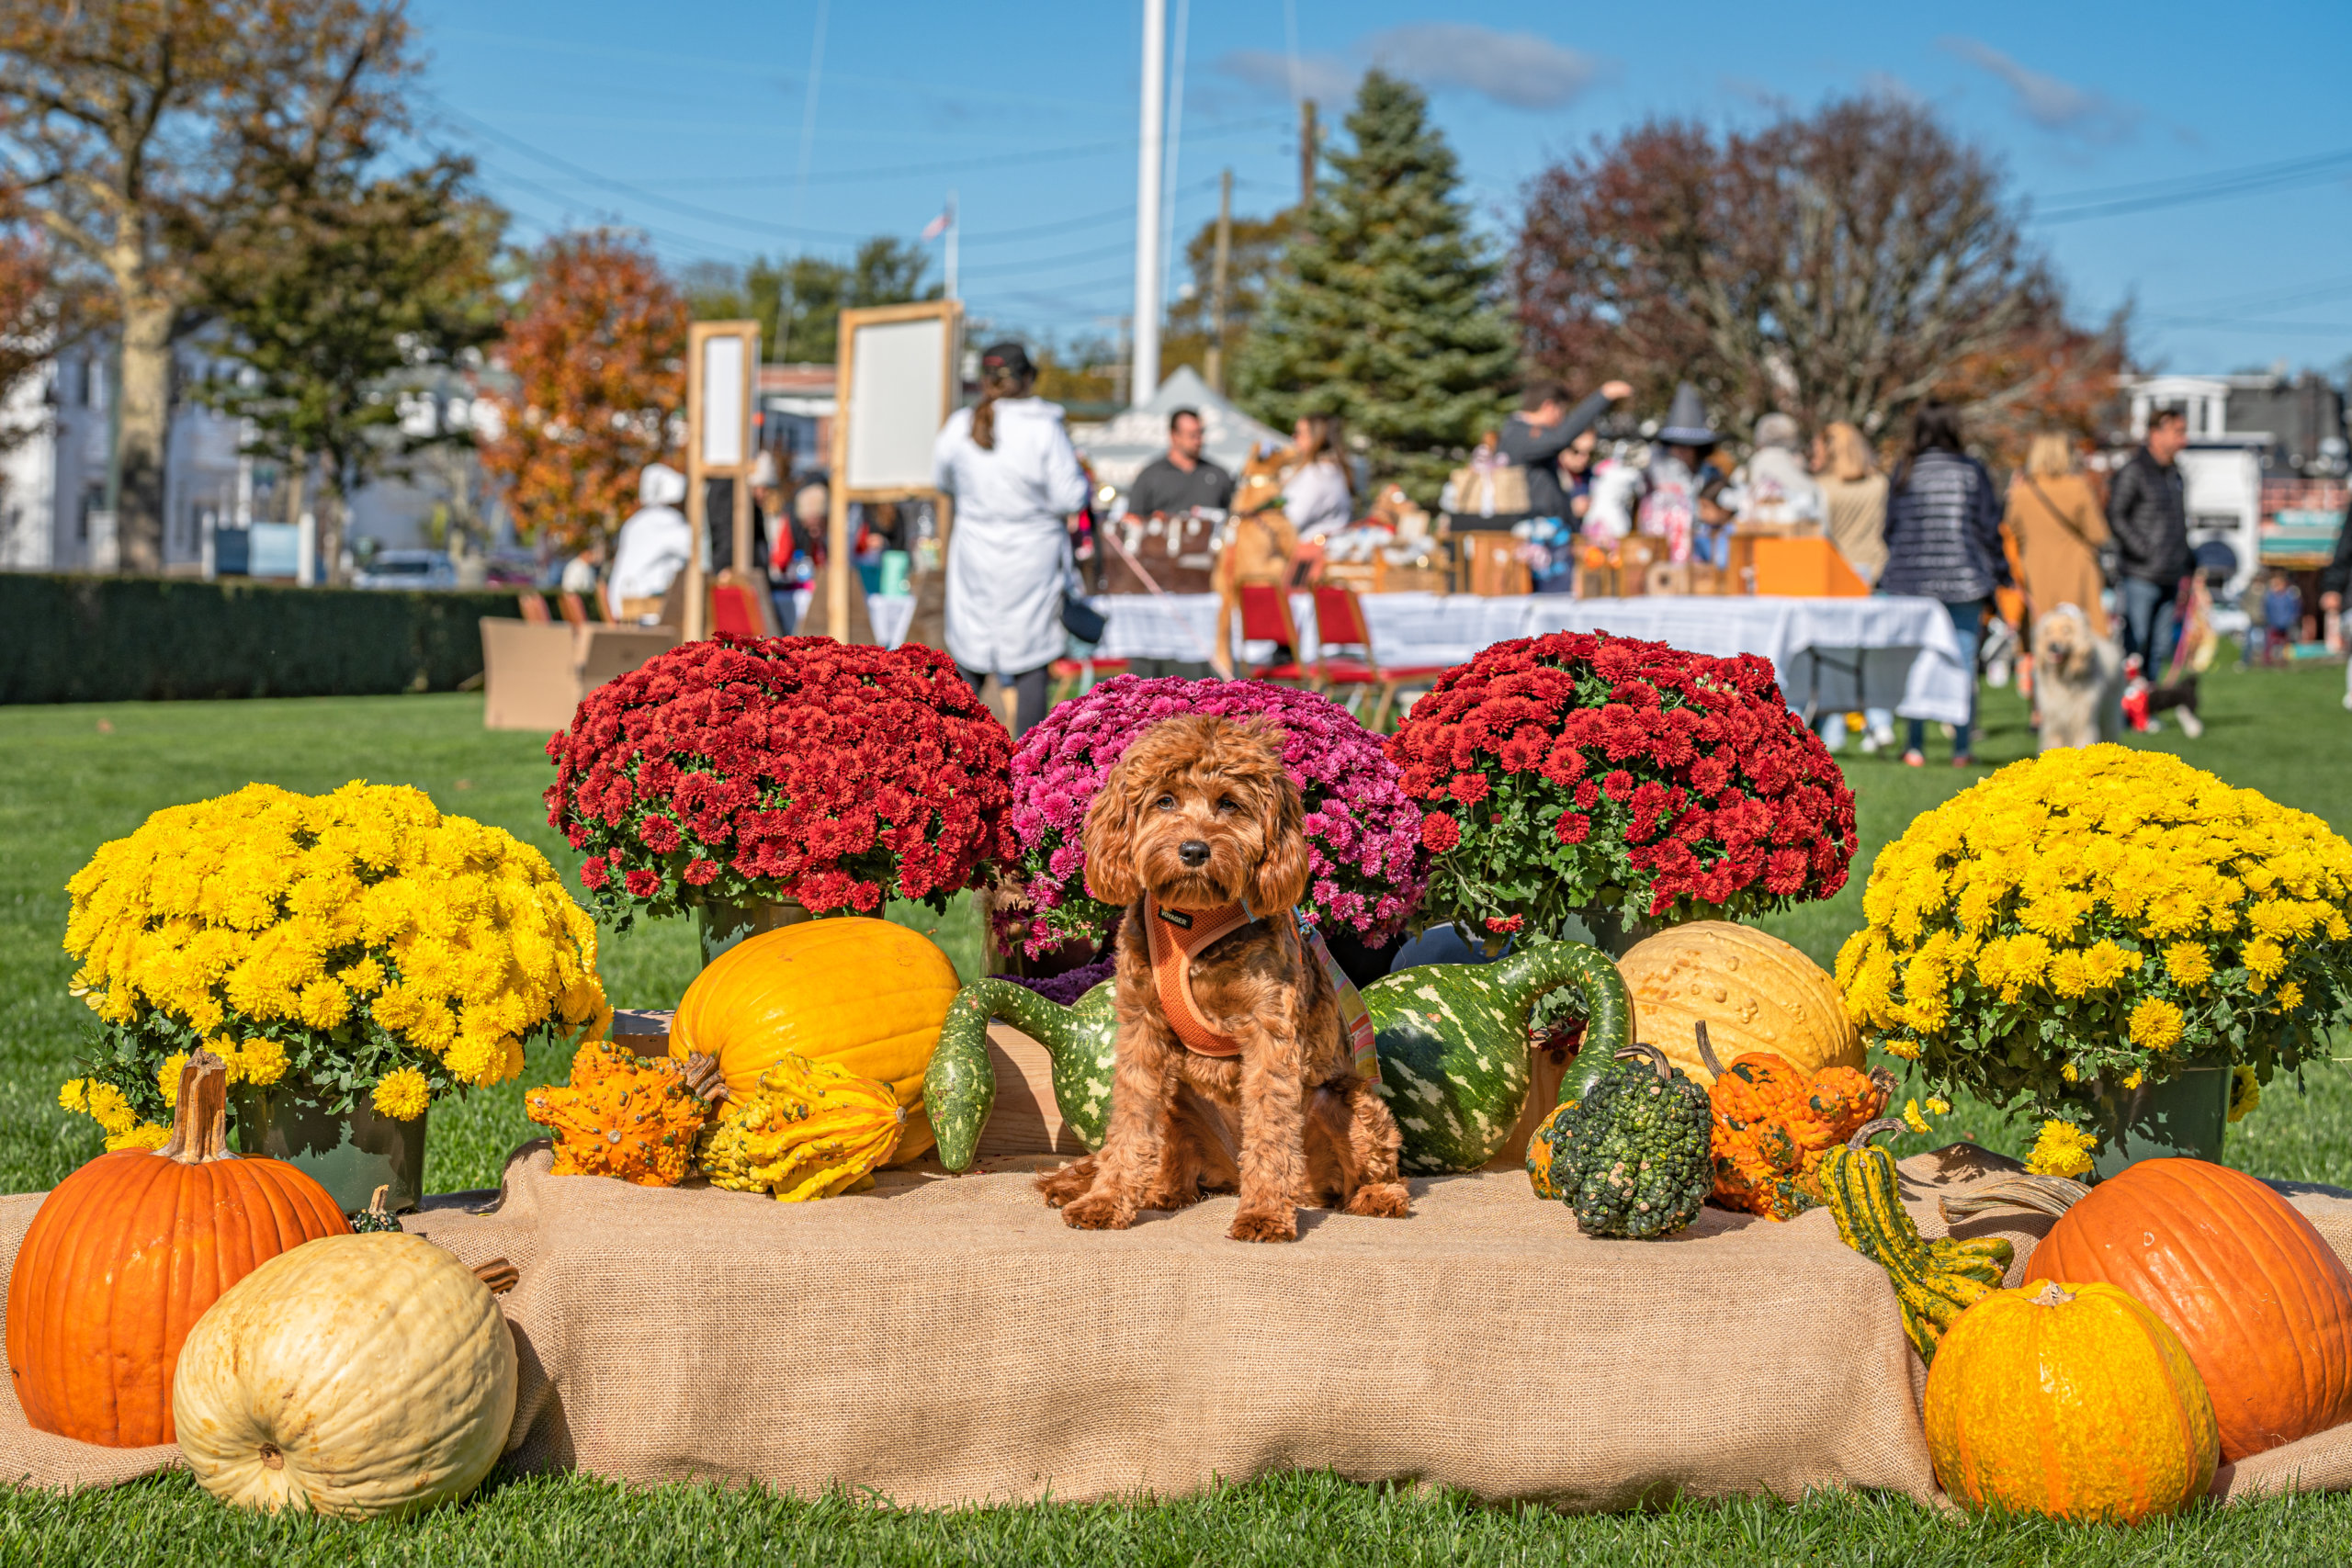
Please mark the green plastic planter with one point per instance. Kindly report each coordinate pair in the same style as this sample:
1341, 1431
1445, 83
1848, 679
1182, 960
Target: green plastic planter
350, 1154
2184, 1116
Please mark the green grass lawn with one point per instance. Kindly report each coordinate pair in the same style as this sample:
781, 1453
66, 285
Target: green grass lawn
73, 777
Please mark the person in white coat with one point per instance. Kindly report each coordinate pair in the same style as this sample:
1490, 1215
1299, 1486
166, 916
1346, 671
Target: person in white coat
1318, 496
1008, 462
654, 543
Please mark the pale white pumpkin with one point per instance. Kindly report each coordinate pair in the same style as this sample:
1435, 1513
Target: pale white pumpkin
1754, 992
357, 1375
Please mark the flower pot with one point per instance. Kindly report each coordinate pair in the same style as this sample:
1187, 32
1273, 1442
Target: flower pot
348, 1153
721, 925
2185, 1115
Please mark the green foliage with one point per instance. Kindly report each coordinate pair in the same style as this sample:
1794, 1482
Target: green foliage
798, 303
144, 640
1387, 310
338, 286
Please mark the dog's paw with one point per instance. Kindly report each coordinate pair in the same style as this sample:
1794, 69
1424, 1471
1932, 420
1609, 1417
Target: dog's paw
1265, 1225
1168, 1199
1069, 1183
1384, 1200
1096, 1213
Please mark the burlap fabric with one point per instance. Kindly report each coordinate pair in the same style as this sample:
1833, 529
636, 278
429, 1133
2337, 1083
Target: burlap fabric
945, 1340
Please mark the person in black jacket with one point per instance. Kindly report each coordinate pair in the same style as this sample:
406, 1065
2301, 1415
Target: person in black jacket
1534, 437
1943, 541
2147, 512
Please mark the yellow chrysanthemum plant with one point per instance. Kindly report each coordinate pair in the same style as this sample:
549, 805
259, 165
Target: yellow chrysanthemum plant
360, 943
2096, 919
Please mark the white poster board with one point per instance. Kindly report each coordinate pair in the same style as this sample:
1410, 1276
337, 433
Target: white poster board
725, 380
898, 388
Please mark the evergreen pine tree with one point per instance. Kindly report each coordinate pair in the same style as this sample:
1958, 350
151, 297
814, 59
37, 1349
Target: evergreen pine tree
1386, 309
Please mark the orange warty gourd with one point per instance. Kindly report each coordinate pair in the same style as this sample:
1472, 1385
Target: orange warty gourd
2262, 1304
2068, 1400
1754, 992
867, 995
127, 1254
1773, 1124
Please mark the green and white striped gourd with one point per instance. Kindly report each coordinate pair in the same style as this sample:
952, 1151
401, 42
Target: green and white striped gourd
1451, 1039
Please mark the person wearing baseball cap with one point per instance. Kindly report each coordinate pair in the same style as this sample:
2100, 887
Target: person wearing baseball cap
1009, 463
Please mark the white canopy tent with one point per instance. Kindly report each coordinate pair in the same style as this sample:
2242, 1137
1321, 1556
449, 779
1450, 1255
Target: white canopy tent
1119, 448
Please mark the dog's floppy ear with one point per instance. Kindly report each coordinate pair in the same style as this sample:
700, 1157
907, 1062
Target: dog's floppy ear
1110, 854
1280, 881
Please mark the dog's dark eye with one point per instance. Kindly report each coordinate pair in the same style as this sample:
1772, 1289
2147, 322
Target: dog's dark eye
1165, 803
1225, 802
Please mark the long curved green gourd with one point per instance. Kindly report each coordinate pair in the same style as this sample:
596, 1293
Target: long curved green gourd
1452, 1038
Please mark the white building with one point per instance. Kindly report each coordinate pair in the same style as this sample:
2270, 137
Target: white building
53, 513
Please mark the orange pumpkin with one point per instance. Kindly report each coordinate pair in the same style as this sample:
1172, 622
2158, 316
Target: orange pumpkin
2068, 1400
2263, 1304
867, 995
127, 1254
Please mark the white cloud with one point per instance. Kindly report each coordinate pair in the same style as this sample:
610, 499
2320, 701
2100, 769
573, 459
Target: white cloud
2058, 107
1520, 69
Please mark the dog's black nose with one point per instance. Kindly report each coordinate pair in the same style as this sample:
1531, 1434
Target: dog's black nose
1194, 852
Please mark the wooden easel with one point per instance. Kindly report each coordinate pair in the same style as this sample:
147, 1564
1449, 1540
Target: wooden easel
837, 612
722, 380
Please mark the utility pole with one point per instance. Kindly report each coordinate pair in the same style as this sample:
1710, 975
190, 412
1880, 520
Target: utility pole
1307, 149
1216, 281
1145, 378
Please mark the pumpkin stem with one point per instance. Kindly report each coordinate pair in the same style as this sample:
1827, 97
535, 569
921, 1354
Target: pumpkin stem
201, 1118
1884, 1082
2053, 1295
703, 1076
1869, 1129
2051, 1195
499, 1275
1650, 1054
1706, 1050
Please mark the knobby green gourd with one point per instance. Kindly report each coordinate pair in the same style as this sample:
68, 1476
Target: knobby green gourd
1451, 1039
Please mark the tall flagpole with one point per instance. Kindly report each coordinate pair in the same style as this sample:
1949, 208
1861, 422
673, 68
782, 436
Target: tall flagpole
1145, 380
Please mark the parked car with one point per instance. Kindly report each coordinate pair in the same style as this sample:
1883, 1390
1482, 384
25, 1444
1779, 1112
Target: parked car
406, 569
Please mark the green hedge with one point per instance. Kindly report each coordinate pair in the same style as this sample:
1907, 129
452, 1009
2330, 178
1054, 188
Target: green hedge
98, 640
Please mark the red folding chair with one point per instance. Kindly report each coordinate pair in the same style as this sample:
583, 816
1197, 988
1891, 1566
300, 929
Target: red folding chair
1338, 621
534, 608
575, 612
733, 610
1265, 617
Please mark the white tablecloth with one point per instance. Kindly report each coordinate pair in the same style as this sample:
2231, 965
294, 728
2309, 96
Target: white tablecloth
1887, 652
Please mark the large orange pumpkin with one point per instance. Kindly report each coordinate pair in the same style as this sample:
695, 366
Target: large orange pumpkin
2262, 1304
867, 996
128, 1253
2068, 1400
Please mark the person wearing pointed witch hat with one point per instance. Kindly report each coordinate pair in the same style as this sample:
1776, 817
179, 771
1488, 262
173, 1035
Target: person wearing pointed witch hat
1680, 489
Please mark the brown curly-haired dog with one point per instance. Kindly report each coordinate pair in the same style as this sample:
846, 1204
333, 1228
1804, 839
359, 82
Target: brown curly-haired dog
1199, 815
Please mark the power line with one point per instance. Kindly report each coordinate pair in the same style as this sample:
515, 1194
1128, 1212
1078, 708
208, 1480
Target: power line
2118, 200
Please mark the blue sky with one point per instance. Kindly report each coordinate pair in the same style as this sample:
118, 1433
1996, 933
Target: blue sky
695, 123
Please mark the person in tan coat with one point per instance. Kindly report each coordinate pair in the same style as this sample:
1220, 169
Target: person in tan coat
1853, 495
2055, 518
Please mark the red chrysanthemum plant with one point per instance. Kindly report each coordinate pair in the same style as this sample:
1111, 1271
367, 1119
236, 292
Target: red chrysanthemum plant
743, 771
1619, 783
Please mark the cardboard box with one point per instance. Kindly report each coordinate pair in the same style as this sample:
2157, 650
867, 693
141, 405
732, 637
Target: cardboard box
1805, 569
534, 674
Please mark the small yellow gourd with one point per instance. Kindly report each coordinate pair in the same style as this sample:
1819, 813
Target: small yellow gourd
809, 1130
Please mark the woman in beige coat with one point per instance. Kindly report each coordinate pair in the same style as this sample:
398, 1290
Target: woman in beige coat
2055, 520
1853, 498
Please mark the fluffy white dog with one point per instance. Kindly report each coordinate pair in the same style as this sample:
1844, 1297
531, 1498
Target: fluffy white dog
2074, 668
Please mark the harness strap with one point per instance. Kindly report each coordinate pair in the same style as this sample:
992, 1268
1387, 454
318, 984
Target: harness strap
1175, 935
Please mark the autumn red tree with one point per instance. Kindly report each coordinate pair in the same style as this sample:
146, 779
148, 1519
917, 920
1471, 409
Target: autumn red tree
597, 354
1839, 265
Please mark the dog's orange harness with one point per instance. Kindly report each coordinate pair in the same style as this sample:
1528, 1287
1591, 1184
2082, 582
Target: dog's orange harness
1174, 935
